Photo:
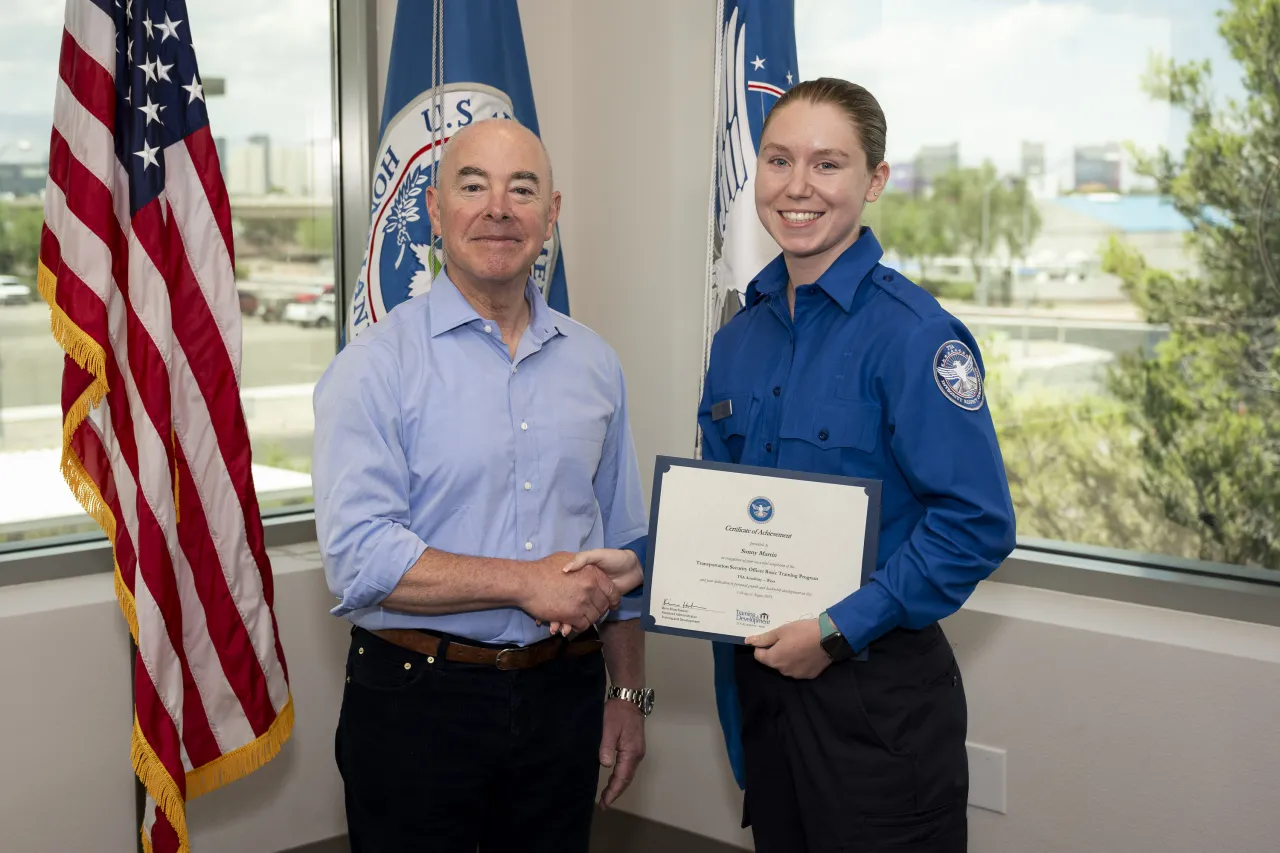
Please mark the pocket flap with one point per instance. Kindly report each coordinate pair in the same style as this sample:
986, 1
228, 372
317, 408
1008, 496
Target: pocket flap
828, 424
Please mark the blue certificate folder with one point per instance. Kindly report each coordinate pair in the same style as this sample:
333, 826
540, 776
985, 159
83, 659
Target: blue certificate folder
664, 464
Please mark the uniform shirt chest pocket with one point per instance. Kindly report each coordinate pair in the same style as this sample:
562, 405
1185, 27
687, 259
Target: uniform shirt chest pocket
833, 436
578, 444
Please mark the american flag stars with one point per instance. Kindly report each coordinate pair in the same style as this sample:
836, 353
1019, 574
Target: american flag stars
162, 100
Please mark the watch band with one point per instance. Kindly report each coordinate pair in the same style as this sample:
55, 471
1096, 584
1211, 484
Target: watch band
825, 625
833, 642
642, 697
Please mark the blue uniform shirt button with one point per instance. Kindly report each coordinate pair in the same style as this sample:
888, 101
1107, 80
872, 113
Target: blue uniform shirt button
777, 390
768, 448
822, 436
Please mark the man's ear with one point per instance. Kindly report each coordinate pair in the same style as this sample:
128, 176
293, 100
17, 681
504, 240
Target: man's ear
554, 217
433, 209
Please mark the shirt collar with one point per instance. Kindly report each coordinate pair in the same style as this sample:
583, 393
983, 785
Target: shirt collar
450, 309
841, 279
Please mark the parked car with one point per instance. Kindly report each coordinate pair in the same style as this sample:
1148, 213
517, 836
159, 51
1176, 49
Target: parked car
249, 303
273, 307
13, 292
316, 312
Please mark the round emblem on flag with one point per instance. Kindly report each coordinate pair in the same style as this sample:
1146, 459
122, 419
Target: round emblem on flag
402, 256
761, 510
956, 371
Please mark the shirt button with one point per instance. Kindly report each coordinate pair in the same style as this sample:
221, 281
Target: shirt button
822, 436
523, 425
777, 391
515, 370
528, 486
528, 546
768, 448
488, 329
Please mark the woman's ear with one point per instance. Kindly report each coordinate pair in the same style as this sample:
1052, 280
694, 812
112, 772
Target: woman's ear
879, 180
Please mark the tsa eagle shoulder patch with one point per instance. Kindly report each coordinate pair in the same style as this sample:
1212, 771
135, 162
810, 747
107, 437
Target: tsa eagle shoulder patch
956, 371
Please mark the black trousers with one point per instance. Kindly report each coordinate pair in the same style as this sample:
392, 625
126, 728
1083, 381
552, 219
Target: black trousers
442, 756
868, 757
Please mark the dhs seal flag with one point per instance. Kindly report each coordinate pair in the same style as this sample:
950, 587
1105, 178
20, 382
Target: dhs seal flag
473, 68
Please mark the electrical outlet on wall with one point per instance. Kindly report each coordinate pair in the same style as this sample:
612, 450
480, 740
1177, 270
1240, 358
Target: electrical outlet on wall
987, 778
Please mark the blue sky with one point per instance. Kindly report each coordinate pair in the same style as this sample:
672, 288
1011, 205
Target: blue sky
991, 73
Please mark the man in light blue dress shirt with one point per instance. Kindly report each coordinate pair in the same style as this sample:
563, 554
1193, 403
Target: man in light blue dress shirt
466, 448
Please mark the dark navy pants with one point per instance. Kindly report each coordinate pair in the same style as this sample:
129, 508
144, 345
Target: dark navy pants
441, 756
867, 757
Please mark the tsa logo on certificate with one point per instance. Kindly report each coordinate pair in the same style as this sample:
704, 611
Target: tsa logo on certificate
761, 510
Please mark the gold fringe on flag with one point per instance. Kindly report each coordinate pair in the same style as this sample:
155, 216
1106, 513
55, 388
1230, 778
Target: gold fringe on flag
243, 761
159, 784
89, 355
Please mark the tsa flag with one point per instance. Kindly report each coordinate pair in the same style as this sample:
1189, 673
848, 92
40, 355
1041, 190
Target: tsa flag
453, 62
756, 65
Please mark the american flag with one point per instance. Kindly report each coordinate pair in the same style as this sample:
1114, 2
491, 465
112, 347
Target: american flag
136, 263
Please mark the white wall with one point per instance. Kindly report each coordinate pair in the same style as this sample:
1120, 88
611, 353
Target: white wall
1127, 728
624, 102
66, 713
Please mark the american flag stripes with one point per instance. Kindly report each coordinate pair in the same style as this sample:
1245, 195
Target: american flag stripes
136, 263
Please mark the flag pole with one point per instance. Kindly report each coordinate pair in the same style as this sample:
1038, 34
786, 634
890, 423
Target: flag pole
139, 790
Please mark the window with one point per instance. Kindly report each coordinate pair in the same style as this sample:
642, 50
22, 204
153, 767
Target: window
1091, 186
266, 70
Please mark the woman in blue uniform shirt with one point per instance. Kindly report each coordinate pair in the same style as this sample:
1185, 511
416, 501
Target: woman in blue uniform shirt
840, 365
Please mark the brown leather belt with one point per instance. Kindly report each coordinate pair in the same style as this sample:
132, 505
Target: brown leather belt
512, 658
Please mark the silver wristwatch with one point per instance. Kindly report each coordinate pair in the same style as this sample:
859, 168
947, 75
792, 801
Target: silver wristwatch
642, 698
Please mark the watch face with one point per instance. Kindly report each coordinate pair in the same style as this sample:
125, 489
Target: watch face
836, 647
646, 702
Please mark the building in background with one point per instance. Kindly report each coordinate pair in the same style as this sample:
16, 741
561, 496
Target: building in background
24, 166
260, 166
1032, 159
262, 142
1097, 168
933, 161
220, 145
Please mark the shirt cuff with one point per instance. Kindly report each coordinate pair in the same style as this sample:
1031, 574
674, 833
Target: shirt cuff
630, 606
627, 610
641, 549
383, 568
867, 615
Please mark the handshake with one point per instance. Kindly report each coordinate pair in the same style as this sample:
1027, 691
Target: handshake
573, 592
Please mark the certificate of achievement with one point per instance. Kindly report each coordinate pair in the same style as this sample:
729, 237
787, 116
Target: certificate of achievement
737, 550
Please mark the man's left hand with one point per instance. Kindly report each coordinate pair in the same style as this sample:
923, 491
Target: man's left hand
621, 747
794, 649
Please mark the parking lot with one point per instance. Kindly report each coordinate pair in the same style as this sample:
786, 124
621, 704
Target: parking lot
31, 362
